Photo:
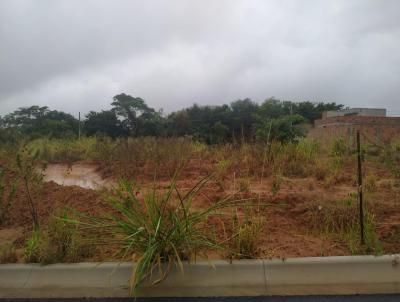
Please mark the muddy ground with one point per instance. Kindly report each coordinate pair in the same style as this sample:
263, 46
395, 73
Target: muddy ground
288, 230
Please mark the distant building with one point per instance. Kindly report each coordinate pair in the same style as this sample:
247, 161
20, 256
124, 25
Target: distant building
374, 125
355, 111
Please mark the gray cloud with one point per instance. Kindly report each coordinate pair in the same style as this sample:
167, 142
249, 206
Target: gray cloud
75, 55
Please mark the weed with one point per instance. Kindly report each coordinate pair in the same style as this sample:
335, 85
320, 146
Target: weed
27, 167
65, 243
244, 185
386, 184
7, 254
64, 150
296, 159
339, 148
320, 171
277, 181
370, 183
246, 233
221, 170
59, 241
6, 200
155, 228
341, 218
33, 244
391, 157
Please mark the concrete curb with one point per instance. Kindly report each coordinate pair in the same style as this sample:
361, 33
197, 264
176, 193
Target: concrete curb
297, 276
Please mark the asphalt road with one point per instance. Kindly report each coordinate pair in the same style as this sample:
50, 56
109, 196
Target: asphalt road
352, 298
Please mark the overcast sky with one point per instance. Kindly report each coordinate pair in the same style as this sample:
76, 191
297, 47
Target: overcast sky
75, 55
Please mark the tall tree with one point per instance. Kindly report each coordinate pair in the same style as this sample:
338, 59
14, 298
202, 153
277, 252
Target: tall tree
104, 122
130, 109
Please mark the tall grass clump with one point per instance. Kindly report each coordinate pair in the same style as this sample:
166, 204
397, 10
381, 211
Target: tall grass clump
64, 150
129, 157
296, 158
57, 242
391, 157
246, 232
341, 218
338, 152
156, 229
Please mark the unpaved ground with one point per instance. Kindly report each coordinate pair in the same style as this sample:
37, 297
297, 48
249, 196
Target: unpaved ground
83, 175
288, 229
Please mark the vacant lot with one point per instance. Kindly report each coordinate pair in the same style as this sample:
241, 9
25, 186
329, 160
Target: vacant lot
286, 200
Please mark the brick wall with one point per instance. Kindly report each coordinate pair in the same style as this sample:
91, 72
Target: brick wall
376, 130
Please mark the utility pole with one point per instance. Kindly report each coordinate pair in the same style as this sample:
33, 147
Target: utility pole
360, 190
79, 125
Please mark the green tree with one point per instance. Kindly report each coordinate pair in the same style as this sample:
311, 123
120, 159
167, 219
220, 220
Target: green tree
104, 122
285, 128
130, 109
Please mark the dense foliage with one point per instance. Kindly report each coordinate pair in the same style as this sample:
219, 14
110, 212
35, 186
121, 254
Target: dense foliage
242, 120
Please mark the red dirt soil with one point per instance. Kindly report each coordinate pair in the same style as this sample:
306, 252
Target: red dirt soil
286, 233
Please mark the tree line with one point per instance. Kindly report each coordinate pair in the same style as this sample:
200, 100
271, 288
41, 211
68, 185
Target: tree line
241, 120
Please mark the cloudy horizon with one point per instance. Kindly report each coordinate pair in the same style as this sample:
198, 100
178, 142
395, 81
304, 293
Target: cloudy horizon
75, 55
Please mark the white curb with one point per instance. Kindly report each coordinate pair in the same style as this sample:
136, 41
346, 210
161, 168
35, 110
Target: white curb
297, 276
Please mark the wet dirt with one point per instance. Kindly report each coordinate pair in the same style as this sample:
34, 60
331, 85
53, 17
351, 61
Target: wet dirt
83, 175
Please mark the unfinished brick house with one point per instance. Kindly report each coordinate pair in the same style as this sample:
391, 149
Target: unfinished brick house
375, 127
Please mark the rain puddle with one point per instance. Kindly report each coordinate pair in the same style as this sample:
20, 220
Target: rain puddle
82, 175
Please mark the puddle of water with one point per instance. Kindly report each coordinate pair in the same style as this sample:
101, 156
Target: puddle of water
82, 175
